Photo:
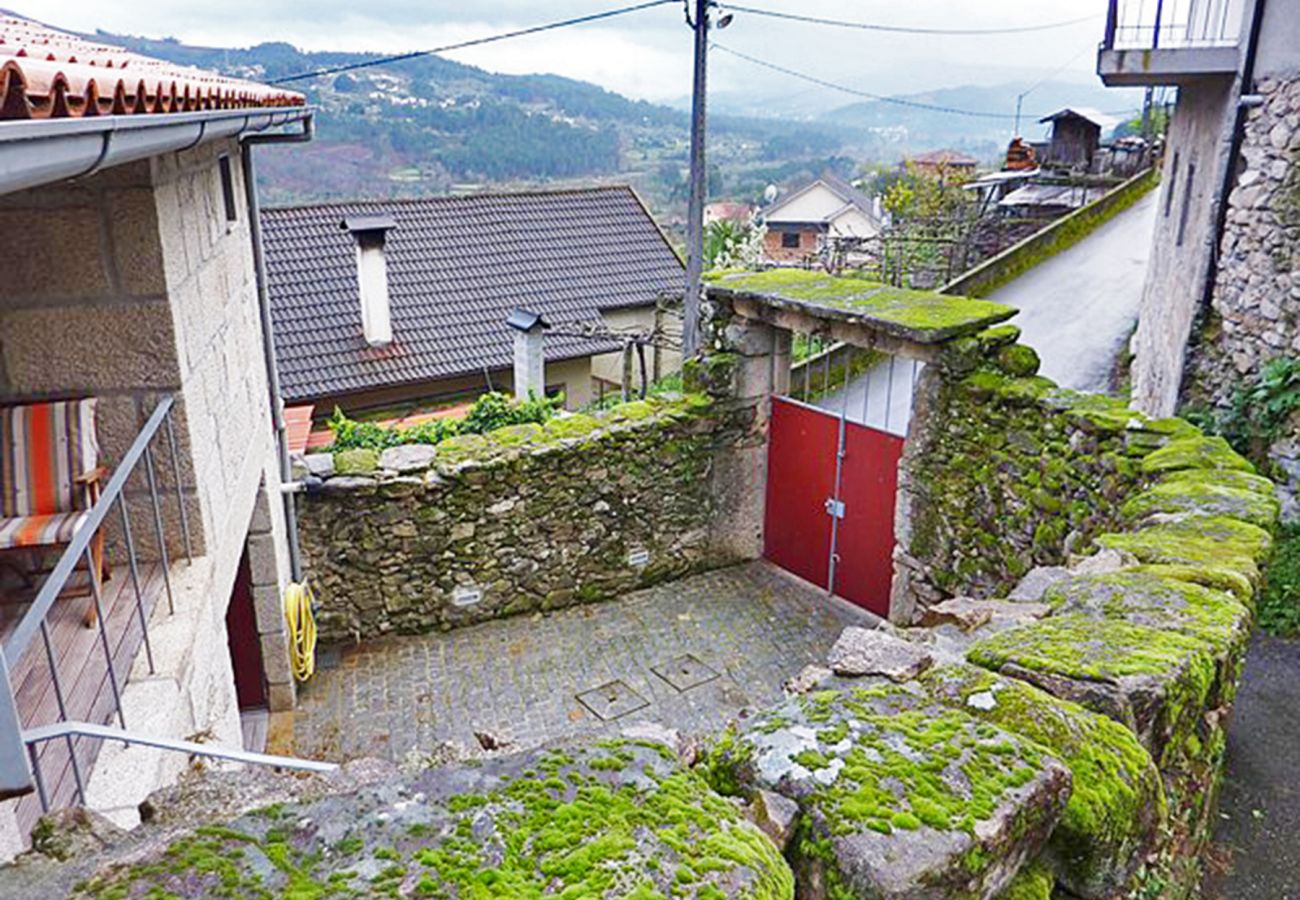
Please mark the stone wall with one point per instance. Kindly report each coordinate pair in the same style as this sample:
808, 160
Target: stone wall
1003, 472
523, 519
1254, 314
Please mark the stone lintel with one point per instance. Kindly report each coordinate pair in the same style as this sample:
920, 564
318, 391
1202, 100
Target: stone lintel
846, 332
870, 310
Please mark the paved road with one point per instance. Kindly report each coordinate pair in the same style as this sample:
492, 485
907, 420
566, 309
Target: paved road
1078, 308
1258, 831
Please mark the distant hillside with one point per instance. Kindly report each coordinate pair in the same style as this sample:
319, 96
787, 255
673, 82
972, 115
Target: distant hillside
431, 125
906, 129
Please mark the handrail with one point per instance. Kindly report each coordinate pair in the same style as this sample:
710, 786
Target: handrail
80, 543
60, 730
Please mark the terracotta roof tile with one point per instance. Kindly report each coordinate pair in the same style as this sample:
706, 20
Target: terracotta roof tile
47, 73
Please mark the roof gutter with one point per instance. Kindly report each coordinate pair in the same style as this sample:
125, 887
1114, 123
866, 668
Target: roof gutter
247, 143
40, 151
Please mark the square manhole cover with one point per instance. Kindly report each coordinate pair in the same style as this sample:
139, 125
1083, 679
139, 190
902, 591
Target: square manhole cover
609, 701
329, 657
684, 672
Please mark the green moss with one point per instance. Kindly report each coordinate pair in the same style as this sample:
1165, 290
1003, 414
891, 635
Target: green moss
1018, 360
1228, 478
1202, 498
359, 461
574, 426
1216, 542
1034, 881
1117, 802
1279, 602
1216, 577
463, 447
923, 315
1084, 647
1196, 453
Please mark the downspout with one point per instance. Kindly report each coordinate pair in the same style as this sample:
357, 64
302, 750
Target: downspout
264, 310
1244, 87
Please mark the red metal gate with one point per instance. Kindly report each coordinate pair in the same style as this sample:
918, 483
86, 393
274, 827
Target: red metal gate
809, 516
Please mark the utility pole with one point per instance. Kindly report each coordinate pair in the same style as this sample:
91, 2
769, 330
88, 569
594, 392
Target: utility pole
699, 181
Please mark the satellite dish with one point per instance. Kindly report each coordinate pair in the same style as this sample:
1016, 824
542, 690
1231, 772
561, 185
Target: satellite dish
769, 193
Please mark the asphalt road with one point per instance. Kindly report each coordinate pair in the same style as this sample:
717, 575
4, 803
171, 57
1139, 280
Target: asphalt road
1258, 831
1078, 308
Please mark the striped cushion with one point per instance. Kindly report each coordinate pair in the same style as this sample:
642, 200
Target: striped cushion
43, 448
40, 531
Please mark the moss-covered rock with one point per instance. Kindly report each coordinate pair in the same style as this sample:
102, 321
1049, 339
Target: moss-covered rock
1230, 478
1215, 541
1154, 681
1034, 881
1203, 499
614, 820
1117, 802
1196, 453
900, 795
1216, 577
358, 461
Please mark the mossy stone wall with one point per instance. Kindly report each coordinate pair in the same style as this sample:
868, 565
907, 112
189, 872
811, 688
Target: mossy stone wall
1004, 472
520, 520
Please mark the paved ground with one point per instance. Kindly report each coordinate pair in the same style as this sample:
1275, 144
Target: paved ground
1259, 826
1078, 308
746, 629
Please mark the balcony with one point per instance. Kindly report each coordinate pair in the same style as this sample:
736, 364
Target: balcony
1169, 42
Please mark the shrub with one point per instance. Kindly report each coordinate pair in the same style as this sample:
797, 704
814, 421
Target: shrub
489, 412
1279, 603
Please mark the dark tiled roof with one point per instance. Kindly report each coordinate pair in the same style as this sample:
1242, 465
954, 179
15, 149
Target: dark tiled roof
50, 74
456, 267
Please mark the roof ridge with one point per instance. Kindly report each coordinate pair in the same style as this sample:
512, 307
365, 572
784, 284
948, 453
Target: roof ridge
442, 198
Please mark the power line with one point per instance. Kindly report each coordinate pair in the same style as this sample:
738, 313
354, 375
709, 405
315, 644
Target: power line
904, 29
897, 101
475, 42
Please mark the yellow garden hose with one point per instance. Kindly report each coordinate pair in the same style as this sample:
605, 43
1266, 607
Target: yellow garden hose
298, 603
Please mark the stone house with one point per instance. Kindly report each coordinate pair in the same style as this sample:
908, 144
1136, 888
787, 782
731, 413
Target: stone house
592, 262
801, 224
128, 216
1222, 293
941, 163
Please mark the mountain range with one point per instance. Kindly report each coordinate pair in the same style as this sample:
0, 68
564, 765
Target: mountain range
431, 125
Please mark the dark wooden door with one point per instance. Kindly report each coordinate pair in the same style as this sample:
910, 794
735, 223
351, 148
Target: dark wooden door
245, 645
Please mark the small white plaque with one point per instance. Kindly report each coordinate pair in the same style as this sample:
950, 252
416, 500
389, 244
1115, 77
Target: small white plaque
466, 595
638, 557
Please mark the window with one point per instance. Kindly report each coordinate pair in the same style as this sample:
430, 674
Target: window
228, 188
790, 240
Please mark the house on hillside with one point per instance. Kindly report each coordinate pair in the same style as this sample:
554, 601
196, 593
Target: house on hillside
1076, 137
940, 163
728, 211
141, 475
801, 224
389, 306
1221, 301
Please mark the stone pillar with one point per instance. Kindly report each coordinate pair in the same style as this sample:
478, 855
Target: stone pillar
753, 365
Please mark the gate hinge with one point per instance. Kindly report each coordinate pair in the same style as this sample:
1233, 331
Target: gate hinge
834, 508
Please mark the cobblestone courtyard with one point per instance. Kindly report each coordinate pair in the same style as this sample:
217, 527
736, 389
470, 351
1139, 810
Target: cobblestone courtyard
690, 655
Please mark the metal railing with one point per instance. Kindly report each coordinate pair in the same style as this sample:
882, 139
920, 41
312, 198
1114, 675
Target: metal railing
1172, 24
78, 553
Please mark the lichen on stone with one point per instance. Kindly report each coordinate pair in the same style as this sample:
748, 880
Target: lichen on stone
1203, 499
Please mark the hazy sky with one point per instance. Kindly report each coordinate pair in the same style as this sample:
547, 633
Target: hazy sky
644, 54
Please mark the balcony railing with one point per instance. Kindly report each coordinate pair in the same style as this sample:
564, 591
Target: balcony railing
62, 683
1172, 24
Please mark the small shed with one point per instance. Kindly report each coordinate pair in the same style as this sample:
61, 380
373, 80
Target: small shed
1076, 136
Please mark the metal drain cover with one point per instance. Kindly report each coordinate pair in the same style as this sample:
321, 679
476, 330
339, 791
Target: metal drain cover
609, 701
329, 657
684, 672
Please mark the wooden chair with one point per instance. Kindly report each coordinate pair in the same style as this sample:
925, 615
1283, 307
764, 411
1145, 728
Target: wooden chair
49, 480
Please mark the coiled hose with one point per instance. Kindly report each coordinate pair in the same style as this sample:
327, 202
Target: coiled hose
298, 605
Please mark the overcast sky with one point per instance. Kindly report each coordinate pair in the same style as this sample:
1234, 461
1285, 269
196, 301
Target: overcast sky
644, 54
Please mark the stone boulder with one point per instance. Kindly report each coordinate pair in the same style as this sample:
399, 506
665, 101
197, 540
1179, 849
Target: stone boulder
617, 819
863, 651
900, 796
1117, 804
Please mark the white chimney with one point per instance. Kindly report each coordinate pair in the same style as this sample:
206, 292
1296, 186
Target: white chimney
530, 356
372, 276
